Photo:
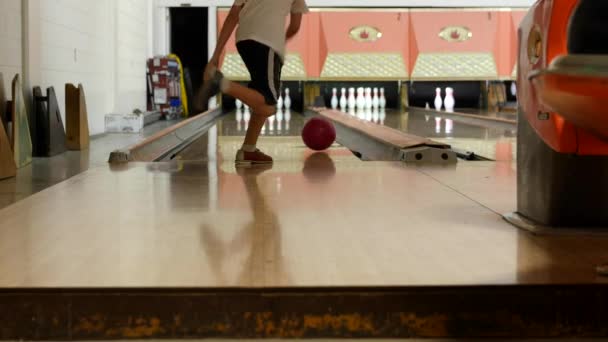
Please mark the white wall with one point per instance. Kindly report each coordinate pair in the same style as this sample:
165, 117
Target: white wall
133, 48
102, 44
10, 40
368, 3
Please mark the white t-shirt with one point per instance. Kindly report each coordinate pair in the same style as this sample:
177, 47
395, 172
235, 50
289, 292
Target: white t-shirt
264, 21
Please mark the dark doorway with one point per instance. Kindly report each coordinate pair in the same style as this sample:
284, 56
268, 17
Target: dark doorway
189, 34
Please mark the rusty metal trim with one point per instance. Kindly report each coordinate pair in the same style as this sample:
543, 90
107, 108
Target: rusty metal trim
399, 312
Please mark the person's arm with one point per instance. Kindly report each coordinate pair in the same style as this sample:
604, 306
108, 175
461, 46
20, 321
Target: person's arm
295, 22
229, 25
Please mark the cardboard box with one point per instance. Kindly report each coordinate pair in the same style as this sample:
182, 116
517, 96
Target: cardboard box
124, 123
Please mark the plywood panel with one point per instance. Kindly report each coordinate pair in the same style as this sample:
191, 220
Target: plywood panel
76, 118
21, 140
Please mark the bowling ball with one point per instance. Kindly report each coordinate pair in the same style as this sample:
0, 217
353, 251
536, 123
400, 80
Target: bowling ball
318, 134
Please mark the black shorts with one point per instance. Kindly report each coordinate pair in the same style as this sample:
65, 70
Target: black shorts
264, 67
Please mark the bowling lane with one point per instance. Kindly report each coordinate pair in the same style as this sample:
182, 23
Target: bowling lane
280, 138
487, 141
281, 135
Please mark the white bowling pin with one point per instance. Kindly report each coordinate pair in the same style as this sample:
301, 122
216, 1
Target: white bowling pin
368, 98
239, 119
343, 100
449, 101
382, 99
352, 101
427, 106
360, 98
280, 101
287, 119
438, 100
238, 104
247, 118
375, 99
334, 98
287, 101
245, 106
513, 89
449, 126
375, 116
271, 123
361, 113
352, 111
279, 120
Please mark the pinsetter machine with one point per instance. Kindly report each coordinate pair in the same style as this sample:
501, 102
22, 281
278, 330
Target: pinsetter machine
563, 117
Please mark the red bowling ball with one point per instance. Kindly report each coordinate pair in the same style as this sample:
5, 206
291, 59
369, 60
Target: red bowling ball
319, 134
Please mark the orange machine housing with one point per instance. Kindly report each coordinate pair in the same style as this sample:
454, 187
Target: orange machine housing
547, 25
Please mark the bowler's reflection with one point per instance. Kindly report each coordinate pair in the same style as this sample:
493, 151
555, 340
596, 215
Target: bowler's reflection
264, 266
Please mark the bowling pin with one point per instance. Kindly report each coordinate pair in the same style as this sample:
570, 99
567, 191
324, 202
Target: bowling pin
352, 112
245, 106
368, 98
238, 104
427, 106
287, 119
449, 126
352, 101
361, 113
239, 119
438, 100
334, 98
360, 98
343, 100
449, 101
513, 89
280, 101
279, 120
287, 101
247, 118
382, 99
376, 116
271, 123
375, 99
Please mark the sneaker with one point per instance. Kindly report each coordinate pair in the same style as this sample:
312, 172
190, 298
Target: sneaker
209, 89
252, 158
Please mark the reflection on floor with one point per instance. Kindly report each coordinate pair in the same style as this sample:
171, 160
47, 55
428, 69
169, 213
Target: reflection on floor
309, 220
46, 172
285, 128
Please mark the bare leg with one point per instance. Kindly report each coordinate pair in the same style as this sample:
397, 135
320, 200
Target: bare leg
259, 109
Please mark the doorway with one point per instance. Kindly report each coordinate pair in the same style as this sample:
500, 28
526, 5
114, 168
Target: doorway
189, 37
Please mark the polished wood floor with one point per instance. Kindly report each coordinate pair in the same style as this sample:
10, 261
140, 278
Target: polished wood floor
310, 220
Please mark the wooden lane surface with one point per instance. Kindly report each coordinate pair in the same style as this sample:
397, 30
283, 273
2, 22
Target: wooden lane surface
388, 135
466, 116
329, 224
